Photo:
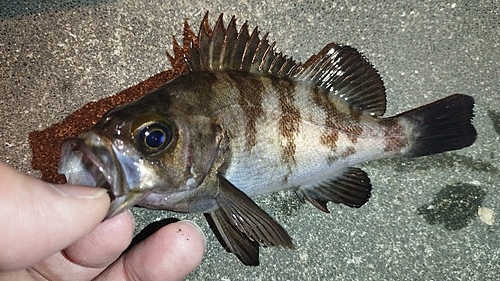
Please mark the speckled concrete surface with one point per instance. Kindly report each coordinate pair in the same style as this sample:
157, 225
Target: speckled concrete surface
54, 58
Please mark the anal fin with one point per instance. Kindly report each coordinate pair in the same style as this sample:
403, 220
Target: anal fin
352, 188
241, 226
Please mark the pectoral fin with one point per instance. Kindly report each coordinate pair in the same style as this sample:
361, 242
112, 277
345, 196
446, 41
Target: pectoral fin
352, 188
241, 226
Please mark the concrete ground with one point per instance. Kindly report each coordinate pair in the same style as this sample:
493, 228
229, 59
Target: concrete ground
421, 222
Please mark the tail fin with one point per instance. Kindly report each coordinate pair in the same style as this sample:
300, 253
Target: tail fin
441, 126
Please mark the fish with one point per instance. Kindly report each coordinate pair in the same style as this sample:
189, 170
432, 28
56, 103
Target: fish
246, 120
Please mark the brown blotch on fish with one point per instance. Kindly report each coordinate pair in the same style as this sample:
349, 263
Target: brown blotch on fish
351, 150
290, 117
250, 100
330, 138
331, 159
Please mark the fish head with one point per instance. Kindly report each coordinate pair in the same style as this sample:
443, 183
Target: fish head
149, 153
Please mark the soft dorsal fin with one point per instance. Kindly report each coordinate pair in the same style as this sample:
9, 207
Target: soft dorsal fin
227, 49
340, 70
346, 74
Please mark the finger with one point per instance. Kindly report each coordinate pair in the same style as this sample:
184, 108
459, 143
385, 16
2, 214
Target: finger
89, 256
105, 243
39, 219
171, 253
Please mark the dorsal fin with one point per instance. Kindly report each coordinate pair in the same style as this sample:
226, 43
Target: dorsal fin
346, 74
340, 70
227, 49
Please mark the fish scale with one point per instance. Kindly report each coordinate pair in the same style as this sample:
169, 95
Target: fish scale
246, 121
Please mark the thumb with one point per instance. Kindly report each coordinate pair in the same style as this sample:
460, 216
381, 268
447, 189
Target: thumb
39, 219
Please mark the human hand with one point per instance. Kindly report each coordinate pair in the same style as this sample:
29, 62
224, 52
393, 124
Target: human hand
56, 232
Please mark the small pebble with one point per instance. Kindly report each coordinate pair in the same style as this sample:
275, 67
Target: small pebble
486, 215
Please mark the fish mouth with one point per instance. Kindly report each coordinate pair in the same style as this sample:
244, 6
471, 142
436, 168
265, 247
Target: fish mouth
82, 166
91, 161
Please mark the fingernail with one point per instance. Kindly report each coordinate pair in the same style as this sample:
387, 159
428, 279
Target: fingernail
192, 223
81, 192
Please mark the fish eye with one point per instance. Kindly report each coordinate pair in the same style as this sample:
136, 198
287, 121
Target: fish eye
152, 137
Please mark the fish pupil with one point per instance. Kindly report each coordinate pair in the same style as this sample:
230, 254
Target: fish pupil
155, 138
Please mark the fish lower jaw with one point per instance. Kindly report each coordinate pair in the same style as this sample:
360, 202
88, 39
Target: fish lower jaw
183, 201
123, 203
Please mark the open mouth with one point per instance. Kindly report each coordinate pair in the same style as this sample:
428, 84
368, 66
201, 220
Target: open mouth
82, 166
100, 164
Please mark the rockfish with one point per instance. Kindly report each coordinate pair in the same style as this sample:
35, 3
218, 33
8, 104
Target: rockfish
245, 121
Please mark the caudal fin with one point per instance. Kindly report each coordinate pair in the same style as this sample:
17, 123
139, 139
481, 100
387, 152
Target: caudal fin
441, 126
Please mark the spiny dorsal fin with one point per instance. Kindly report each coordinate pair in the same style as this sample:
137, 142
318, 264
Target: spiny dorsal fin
346, 74
227, 49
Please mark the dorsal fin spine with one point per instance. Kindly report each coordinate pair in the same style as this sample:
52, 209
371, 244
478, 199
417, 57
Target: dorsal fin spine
276, 61
218, 35
266, 61
231, 35
194, 59
251, 46
205, 55
259, 54
241, 42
